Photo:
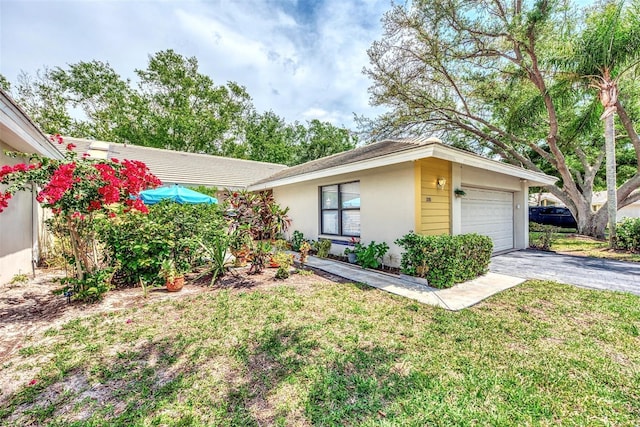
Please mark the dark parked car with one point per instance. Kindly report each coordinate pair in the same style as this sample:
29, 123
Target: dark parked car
552, 215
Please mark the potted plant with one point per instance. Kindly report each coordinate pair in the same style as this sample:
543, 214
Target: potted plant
174, 281
351, 255
240, 244
459, 192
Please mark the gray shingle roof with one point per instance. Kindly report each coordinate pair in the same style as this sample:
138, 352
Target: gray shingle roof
176, 167
366, 152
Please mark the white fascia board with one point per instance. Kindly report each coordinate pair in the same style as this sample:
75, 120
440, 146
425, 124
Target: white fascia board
390, 159
432, 150
533, 178
15, 122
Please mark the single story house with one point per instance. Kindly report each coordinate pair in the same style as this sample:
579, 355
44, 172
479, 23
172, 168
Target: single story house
598, 200
178, 167
382, 191
21, 224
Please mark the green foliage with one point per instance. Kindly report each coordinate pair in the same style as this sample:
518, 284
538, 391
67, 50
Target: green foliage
172, 105
138, 244
259, 253
323, 246
216, 252
19, 279
305, 247
284, 261
296, 240
90, 289
369, 256
445, 260
548, 234
258, 211
465, 71
628, 234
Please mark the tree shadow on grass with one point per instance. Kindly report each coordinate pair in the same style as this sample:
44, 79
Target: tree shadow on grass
125, 390
348, 387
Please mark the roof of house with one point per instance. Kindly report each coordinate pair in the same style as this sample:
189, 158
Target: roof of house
177, 167
389, 152
20, 132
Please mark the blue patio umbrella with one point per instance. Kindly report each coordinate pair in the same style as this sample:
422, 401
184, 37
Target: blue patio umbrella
177, 193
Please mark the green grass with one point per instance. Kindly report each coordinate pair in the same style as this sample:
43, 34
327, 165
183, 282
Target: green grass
585, 246
539, 354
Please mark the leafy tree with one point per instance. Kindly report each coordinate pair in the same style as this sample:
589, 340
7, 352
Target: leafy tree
4, 83
77, 191
173, 106
486, 76
609, 46
268, 139
323, 139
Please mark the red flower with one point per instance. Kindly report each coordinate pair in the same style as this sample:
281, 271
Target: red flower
94, 205
70, 146
33, 382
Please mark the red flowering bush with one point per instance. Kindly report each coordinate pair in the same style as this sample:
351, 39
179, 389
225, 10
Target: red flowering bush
77, 190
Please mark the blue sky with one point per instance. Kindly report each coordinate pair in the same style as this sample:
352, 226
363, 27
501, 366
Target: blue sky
301, 59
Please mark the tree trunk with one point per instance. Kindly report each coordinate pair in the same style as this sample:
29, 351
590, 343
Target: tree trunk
592, 223
612, 198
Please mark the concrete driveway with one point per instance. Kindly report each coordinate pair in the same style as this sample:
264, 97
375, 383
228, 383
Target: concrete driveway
594, 273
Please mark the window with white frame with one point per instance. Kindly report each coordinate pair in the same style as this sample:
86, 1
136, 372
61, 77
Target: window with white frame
340, 209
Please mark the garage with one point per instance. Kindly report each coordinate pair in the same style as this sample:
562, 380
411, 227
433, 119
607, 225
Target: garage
490, 213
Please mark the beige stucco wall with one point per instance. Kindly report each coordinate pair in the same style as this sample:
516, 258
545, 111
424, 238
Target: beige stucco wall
16, 229
387, 206
463, 175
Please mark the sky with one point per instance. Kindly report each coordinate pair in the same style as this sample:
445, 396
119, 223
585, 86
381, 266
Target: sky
301, 59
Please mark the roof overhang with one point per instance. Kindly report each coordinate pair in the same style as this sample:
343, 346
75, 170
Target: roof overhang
435, 149
18, 131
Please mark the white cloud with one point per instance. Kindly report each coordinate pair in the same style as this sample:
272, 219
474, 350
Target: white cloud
303, 60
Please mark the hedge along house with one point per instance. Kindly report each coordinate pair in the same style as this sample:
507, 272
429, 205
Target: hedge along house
384, 190
22, 231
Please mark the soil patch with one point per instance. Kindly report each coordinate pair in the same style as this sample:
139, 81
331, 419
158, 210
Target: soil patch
30, 309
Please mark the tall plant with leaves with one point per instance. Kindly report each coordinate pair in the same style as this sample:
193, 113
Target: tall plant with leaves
78, 191
608, 48
482, 76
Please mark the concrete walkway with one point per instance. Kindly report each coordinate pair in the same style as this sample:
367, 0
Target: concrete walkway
456, 298
587, 272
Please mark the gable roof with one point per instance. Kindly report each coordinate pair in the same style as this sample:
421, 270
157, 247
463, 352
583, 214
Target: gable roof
392, 151
20, 132
177, 167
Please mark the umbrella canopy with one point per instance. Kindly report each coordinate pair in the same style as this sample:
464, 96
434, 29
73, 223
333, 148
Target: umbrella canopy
176, 193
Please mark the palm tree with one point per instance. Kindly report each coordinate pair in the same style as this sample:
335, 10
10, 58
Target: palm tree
608, 47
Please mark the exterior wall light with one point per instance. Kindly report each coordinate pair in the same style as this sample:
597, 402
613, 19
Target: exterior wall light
440, 183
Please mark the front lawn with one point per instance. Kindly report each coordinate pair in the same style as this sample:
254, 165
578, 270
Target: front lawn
336, 354
575, 244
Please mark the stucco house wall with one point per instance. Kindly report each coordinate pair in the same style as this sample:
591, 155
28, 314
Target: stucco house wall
387, 208
21, 228
409, 185
18, 230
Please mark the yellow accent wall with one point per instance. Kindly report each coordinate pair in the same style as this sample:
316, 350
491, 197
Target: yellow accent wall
433, 208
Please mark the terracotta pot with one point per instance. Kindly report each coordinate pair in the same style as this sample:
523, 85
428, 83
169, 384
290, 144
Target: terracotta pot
176, 285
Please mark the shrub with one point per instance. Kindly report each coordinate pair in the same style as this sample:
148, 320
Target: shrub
445, 260
548, 234
323, 246
628, 234
91, 288
296, 240
138, 244
369, 256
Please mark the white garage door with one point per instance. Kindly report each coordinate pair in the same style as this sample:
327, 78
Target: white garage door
490, 213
